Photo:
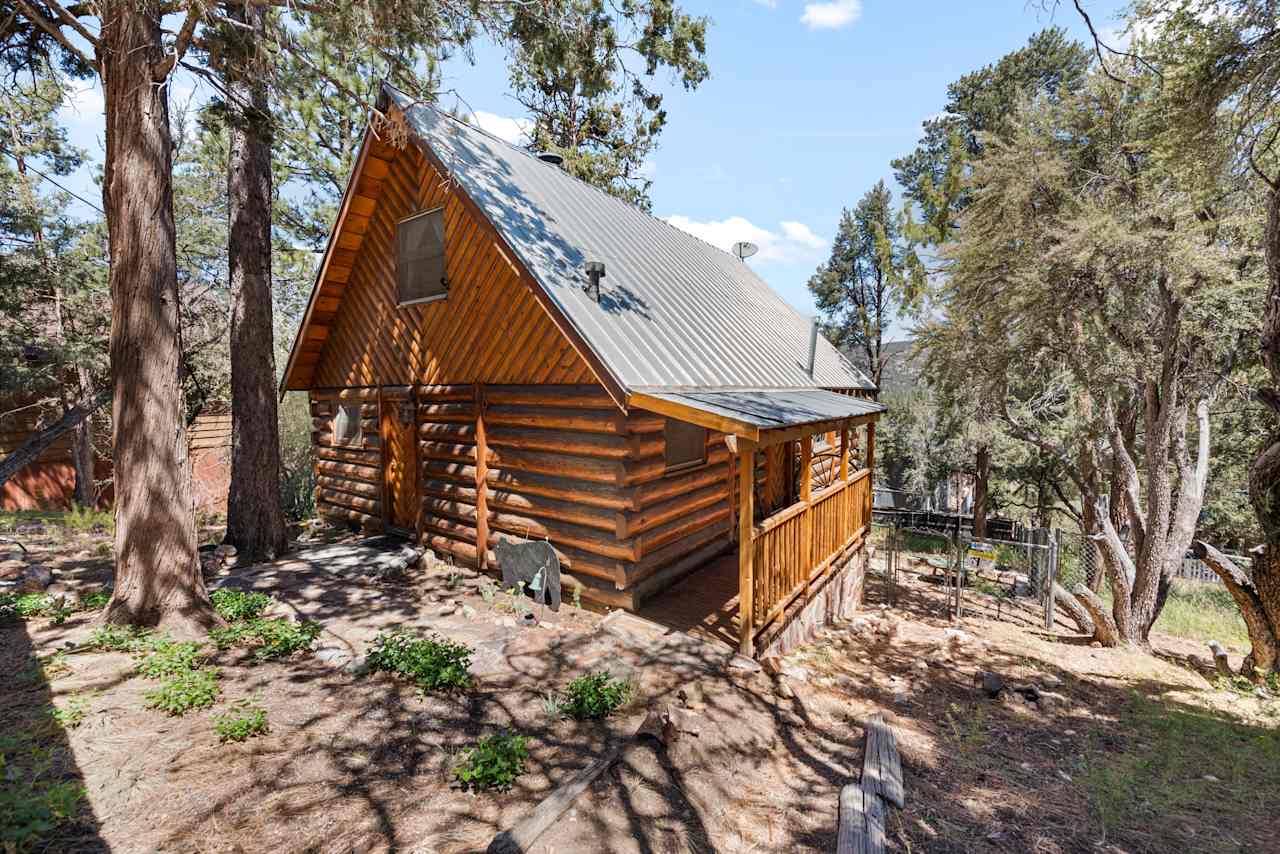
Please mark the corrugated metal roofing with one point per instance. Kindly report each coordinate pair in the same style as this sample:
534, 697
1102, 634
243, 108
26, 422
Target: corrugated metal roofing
674, 312
771, 409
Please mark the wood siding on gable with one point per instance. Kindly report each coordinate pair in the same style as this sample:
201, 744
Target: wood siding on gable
489, 329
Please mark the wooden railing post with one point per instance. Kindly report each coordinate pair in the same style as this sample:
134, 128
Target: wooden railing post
806, 495
482, 483
871, 469
746, 545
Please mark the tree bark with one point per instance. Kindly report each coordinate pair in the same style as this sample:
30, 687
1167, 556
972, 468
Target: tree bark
1264, 658
981, 482
255, 521
1078, 613
1104, 625
157, 578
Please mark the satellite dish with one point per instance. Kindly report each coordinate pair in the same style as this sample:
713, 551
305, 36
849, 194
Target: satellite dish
744, 250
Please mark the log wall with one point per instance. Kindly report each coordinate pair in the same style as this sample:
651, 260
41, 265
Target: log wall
348, 477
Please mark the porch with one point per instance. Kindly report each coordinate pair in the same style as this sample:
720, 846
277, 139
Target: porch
802, 503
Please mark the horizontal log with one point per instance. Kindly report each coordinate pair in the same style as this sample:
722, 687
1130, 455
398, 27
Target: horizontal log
344, 514
639, 421
629, 524
607, 496
559, 441
456, 433
585, 539
344, 394
368, 441
446, 393
433, 471
351, 502
325, 424
520, 503
678, 529
445, 452
360, 456
583, 420
570, 467
568, 396
668, 554
654, 468
443, 544
355, 487
353, 471
681, 483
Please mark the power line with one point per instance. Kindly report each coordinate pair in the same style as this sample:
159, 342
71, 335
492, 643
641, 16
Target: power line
54, 183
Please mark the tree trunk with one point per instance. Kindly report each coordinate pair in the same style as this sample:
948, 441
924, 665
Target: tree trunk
980, 485
1078, 613
1264, 658
1264, 474
157, 578
1105, 630
255, 521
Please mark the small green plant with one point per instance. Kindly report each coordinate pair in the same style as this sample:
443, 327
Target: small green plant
31, 810
494, 763
244, 720
24, 606
551, 706
192, 689
72, 714
488, 590
276, 637
577, 595
595, 696
94, 600
88, 520
234, 605
432, 663
114, 638
160, 657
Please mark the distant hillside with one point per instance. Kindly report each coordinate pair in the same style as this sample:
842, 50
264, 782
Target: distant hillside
901, 371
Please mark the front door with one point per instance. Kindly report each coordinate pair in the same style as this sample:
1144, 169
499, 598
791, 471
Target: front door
399, 458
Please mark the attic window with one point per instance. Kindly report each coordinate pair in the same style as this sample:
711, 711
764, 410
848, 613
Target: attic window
420, 258
346, 425
686, 444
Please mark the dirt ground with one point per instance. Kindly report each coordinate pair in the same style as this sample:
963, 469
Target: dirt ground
360, 762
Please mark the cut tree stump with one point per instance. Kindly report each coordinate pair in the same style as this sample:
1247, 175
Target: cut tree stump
862, 805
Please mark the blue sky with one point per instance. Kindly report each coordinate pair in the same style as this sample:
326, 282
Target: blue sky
807, 104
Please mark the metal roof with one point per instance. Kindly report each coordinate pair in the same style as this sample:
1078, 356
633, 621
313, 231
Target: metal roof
772, 408
674, 311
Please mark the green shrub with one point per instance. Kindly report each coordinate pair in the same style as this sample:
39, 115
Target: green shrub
114, 638
595, 696
88, 520
271, 638
192, 689
24, 606
245, 720
72, 714
494, 763
31, 811
233, 605
95, 600
159, 657
432, 663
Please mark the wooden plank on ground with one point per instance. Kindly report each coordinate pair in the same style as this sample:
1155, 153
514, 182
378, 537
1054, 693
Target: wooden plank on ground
861, 828
881, 766
873, 808
851, 836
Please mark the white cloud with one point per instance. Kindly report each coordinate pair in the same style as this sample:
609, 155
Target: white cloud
831, 16
513, 130
83, 105
648, 169
794, 241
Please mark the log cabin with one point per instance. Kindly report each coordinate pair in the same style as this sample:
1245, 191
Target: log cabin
494, 348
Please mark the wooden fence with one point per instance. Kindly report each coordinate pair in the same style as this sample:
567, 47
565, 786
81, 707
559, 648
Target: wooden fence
796, 546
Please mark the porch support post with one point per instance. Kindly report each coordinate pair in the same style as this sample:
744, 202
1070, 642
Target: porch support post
844, 451
871, 445
746, 547
806, 495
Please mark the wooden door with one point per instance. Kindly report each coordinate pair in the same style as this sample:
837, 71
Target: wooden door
399, 458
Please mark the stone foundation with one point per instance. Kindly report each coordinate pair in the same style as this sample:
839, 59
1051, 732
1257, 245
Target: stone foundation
834, 597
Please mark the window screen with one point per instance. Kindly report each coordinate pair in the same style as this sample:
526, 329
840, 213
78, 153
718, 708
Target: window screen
346, 424
420, 257
686, 444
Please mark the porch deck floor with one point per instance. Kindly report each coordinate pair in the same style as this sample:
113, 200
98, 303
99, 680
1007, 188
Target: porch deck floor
704, 603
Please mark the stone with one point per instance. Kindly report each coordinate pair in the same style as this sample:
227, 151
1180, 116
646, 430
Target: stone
748, 665
36, 578
224, 551
1050, 681
358, 666
1096, 644
922, 665
990, 684
445, 610
785, 690
333, 655
506, 622
794, 672
468, 612
1209, 778
956, 637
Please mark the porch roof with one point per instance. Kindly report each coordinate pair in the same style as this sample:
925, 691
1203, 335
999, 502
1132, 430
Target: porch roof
762, 410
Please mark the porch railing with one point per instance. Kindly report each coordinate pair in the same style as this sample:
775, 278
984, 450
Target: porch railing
795, 546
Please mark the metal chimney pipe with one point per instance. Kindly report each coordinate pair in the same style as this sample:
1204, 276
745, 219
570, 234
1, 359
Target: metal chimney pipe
813, 345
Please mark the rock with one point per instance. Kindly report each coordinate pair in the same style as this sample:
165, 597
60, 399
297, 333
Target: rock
956, 637
772, 665
747, 665
445, 610
784, 689
860, 625
224, 551
468, 612
1096, 644
922, 665
358, 666
1209, 778
1050, 681
794, 672
36, 578
989, 683
334, 656
506, 622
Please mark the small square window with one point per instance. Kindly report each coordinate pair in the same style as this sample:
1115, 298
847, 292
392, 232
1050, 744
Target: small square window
686, 444
420, 272
346, 425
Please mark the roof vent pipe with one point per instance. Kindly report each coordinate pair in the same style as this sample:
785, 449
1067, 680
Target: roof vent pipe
551, 157
813, 345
